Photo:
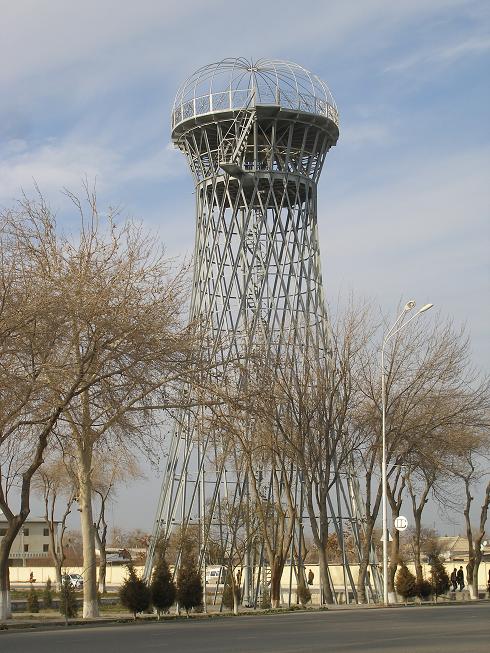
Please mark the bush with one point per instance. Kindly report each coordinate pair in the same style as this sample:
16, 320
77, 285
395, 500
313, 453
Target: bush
304, 594
135, 593
424, 589
406, 584
189, 585
438, 576
32, 600
68, 600
48, 595
162, 587
265, 600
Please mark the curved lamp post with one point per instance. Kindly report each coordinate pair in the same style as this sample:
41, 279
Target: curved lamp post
395, 328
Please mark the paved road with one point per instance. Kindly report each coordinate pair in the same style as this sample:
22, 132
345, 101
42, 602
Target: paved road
462, 628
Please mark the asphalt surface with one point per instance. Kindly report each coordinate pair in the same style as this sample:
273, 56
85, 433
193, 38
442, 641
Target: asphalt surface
462, 628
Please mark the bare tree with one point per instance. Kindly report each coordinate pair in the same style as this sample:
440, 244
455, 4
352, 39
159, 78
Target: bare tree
246, 432
34, 371
105, 349
240, 530
123, 308
310, 402
109, 471
58, 488
429, 395
470, 472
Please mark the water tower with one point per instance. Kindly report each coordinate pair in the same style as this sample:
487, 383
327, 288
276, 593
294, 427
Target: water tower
255, 135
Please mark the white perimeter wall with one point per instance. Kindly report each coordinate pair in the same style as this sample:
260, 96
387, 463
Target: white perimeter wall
116, 574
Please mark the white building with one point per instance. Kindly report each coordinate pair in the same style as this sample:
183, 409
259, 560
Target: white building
32, 544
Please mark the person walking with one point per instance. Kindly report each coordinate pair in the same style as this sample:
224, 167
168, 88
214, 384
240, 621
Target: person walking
311, 576
454, 580
460, 578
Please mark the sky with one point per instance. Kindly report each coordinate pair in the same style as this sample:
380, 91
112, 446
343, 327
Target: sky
403, 202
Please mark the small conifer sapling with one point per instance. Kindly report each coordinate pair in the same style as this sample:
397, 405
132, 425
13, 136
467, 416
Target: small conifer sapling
48, 594
162, 587
135, 593
189, 585
32, 600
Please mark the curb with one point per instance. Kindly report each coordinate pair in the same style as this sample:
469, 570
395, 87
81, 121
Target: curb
26, 626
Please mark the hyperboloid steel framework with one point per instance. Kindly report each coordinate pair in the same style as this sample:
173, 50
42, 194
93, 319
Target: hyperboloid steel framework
255, 136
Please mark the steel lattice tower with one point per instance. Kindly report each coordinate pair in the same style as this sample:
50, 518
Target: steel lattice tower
255, 136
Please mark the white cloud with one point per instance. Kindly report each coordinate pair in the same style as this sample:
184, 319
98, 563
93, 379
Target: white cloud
425, 232
443, 53
364, 133
56, 164
111, 41
430, 199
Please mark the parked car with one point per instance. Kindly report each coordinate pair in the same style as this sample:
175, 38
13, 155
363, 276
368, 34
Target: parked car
75, 580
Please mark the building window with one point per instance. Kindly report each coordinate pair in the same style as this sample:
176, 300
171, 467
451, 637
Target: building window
26, 548
2, 531
46, 532
26, 531
45, 548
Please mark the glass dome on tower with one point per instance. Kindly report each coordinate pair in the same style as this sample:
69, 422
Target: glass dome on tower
234, 84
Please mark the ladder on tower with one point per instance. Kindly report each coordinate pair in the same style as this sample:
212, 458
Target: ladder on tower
233, 147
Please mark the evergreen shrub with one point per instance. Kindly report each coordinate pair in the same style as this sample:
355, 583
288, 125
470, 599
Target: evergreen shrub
424, 589
438, 576
48, 594
32, 600
135, 593
189, 585
162, 587
406, 584
68, 600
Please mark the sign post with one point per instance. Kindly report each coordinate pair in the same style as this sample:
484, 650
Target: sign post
401, 523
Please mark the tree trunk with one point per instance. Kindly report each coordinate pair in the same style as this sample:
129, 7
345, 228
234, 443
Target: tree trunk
393, 566
469, 534
320, 538
477, 552
236, 595
394, 556
57, 557
417, 548
102, 571
90, 604
102, 560
276, 574
365, 560
14, 526
5, 606
325, 587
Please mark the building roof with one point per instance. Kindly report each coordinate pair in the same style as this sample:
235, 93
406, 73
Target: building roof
30, 519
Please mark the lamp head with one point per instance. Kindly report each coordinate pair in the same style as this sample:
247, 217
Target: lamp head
425, 308
409, 305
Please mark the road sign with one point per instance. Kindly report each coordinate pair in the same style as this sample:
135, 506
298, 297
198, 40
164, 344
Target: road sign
390, 539
401, 523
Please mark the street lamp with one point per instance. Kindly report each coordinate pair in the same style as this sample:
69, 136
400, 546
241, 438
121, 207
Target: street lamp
396, 328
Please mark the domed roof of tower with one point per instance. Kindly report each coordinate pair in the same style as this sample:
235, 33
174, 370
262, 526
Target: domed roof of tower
239, 83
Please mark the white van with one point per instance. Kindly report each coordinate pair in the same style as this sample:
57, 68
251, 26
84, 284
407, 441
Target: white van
215, 574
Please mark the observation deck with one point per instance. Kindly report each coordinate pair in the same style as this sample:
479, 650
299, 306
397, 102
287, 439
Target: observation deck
233, 85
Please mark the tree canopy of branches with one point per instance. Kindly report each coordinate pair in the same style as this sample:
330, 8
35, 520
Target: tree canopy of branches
433, 397
93, 344
56, 484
